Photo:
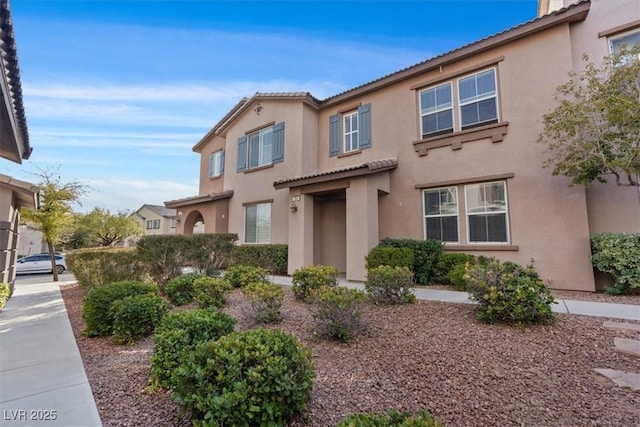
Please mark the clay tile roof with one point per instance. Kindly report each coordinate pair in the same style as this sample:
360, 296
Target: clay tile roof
332, 175
198, 199
9, 55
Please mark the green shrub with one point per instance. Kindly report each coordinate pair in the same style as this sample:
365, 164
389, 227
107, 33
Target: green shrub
390, 285
4, 294
265, 301
509, 293
180, 290
446, 264
239, 276
618, 255
98, 266
336, 312
391, 418
393, 257
254, 378
209, 252
426, 254
273, 257
178, 334
210, 291
97, 304
307, 279
136, 316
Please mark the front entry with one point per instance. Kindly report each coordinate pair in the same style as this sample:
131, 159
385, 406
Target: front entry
330, 230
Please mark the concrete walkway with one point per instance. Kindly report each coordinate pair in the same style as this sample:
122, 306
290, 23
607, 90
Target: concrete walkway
42, 378
41, 371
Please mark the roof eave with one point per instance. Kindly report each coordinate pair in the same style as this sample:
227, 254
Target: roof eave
574, 13
187, 201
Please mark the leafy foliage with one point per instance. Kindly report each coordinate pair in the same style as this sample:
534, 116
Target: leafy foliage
508, 292
239, 276
97, 304
136, 316
391, 418
272, 257
210, 291
209, 252
446, 263
265, 301
54, 216
4, 294
258, 377
390, 285
307, 279
178, 334
98, 266
180, 289
595, 129
393, 257
102, 228
426, 254
337, 311
618, 255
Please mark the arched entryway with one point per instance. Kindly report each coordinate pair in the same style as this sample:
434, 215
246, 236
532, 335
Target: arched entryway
194, 223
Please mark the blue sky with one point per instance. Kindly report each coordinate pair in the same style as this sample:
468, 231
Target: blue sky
117, 92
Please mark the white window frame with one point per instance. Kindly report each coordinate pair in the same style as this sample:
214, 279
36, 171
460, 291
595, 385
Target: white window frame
262, 151
478, 99
436, 110
149, 224
425, 215
505, 212
215, 164
264, 207
617, 37
174, 222
350, 137
156, 224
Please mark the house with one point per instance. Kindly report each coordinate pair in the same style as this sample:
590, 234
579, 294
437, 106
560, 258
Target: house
156, 219
14, 146
445, 149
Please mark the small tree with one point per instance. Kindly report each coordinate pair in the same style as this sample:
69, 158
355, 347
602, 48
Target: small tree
54, 217
102, 228
595, 129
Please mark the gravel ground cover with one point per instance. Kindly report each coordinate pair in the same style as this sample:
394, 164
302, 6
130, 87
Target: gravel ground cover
427, 355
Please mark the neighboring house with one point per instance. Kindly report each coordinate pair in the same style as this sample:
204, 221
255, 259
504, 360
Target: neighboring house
156, 219
14, 146
445, 149
31, 241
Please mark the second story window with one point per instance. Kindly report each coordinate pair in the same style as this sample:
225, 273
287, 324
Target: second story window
216, 164
261, 148
350, 131
472, 101
627, 41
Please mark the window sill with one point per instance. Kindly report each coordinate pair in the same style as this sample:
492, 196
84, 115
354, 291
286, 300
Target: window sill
350, 153
495, 131
259, 168
481, 247
213, 178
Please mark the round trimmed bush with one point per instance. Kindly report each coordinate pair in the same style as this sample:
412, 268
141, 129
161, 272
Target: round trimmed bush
257, 377
97, 304
178, 334
240, 276
180, 290
210, 291
305, 280
265, 301
137, 316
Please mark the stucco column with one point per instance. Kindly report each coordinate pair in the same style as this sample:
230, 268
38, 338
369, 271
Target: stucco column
362, 221
300, 231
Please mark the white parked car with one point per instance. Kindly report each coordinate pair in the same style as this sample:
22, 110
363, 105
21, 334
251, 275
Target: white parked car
40, 263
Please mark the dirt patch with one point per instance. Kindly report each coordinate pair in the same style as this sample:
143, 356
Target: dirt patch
428, 355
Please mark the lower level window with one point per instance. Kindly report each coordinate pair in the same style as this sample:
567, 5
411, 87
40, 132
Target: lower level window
441, 214
487, 212
257, 223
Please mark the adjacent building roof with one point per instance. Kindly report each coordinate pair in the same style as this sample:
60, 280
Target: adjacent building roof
187, 201
160, 210
14, 135
25, 192
336, 174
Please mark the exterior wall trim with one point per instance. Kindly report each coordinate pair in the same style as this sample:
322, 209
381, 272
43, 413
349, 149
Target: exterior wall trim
188, 201
473, 180
259, 168
349, 108
357, 171
257, 202
495, 131
266, 125
480, 247
454, 74
619, 29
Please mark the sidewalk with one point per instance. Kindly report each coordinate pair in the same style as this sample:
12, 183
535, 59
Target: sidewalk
586, 308
42, 378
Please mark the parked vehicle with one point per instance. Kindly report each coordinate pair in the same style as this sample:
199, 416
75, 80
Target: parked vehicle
40, 263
